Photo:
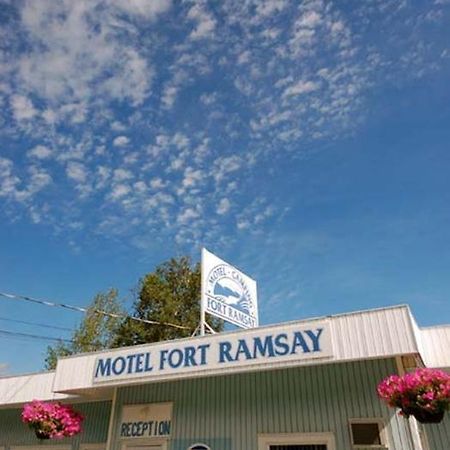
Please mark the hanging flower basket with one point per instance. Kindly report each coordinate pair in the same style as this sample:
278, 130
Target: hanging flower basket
51, 420
424, 416
424, 394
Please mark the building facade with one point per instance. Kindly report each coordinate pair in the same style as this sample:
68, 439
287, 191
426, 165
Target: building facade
306, 385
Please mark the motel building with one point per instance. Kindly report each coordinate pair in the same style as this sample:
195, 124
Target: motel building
302, 385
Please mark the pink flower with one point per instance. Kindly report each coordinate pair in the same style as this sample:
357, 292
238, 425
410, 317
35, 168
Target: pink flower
426, 389
54, 419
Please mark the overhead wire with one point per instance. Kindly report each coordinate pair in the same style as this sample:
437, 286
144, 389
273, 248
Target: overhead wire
35, 324
85, 310
33, 336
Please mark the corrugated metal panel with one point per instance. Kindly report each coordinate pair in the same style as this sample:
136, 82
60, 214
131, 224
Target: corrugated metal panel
435, 342
376, 333
439, 434
23, 388
95, 429
228, 412
356, 336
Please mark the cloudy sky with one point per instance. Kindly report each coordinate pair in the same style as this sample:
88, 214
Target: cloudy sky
307, 142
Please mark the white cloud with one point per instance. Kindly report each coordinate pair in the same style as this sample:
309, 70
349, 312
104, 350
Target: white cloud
148, 9
269, 7
84, 88
119, 191
22, 107
40, 152
192, 177
169, 96
76, 171
140, 187
310, 19
102, 175
226, 165
122, 175
118, 126
74, 112
50, 116
38, 180
157, 183
76, 52
121, 141
177, 164
301, 87
224, 206
205, 22
187, 216
8, 181
180, 140
208, 99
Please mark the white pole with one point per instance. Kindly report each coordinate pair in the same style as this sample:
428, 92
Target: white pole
111, 421
202, 296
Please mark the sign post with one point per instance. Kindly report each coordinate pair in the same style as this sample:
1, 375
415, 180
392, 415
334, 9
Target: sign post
202, 299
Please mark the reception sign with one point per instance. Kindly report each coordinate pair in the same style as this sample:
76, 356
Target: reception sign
149, 420
228, 293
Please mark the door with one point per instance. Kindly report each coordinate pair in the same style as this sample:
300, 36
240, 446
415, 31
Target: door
156, 445
296, 441
145, 447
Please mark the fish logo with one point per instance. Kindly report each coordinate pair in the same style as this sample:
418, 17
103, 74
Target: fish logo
226, 284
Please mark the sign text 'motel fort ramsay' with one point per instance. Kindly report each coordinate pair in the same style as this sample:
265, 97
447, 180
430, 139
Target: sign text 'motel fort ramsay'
297, 343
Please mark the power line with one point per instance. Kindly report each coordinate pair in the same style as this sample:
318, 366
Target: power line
44, 325
85, 310
33, 336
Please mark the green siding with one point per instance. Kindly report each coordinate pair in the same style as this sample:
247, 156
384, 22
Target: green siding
439, 434
95, 427
228, 412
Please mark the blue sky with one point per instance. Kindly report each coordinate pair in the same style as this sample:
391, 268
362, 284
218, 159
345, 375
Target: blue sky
306, 142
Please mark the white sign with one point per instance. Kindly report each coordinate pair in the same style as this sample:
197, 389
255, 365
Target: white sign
150, 420
256, 349
228, 293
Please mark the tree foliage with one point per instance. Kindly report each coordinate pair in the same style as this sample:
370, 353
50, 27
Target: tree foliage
170, 294
95, 332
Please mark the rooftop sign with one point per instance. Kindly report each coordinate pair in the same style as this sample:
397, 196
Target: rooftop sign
228, 293
217, 353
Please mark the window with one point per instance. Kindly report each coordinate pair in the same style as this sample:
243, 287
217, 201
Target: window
367, 433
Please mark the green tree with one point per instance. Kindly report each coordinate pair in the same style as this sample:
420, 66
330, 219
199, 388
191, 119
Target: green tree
170, 294
95, 332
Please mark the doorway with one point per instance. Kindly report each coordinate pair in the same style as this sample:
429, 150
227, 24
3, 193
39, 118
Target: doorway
296, 441
149, 445
298, 447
